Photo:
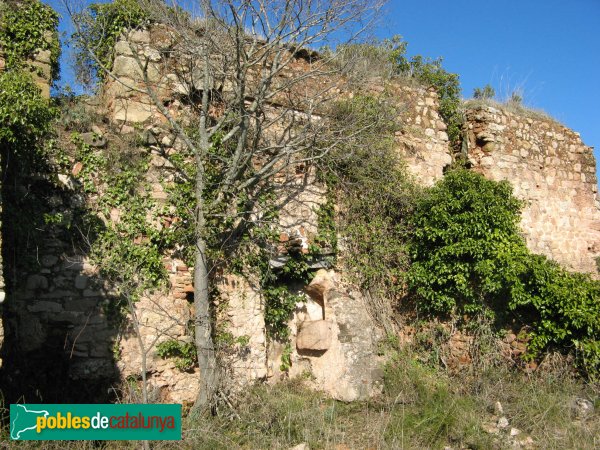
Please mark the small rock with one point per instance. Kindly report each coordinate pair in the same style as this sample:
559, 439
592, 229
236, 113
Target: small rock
527, 442
498, 410
67, 181
77, 169
167, 140
45, 306
303, 446
36, 282
503, 422
81, 281
49, 260
148, 138
515, 431
96, 129
93, 140
582, 408
319, 285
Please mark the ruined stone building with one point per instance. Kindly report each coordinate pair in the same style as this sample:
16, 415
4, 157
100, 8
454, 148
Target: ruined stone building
62, 303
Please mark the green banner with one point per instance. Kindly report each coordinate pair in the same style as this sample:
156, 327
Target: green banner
95, 422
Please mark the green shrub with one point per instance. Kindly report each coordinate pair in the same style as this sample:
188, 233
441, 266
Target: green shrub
465, 237
487, 92
184, 353
25, 117
562, 307
469, 258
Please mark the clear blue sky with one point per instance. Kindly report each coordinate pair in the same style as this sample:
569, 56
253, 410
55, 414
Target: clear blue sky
549, 49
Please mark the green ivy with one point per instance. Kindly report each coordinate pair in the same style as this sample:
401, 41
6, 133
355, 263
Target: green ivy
562, 307
465, 237
129, 250
184, 353
375, 194
100, 27
469, 258
27, 27
431, 73
25, 117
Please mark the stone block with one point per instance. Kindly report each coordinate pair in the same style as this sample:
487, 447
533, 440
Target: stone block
36, 282
314, 335
81, 281
43, 306
319, 285
133, 112
49, 260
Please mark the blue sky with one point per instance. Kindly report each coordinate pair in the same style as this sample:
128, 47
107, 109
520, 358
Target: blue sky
548, 49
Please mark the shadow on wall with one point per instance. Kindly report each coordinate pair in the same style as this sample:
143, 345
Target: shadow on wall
59, 323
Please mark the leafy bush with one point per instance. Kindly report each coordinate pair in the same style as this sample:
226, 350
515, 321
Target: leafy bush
562, 307
25, 117
184, 353
465, 237
469, 258
25, 28
486, 92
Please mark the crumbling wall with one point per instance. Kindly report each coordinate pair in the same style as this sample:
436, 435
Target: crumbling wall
422, 139
552, 170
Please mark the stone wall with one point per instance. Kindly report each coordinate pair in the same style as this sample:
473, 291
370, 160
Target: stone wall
422, 140
62, 302
552, 171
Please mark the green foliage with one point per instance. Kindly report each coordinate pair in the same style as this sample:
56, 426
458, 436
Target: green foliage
279, 305
562, 307
431, 73
465, 237
469, 258
25, 28
286, 357
374, 193
388, 58
487, 92
25, 117
184, 353
101, 25
129, 250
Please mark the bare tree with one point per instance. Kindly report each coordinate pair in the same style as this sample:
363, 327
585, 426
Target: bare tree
239, 69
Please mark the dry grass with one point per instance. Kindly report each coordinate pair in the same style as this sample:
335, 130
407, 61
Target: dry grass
511, 107
421, 407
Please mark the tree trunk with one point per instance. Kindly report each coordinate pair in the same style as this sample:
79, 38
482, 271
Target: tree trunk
207, 361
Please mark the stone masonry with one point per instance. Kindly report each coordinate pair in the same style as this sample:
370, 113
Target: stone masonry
552, 171
333, 339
